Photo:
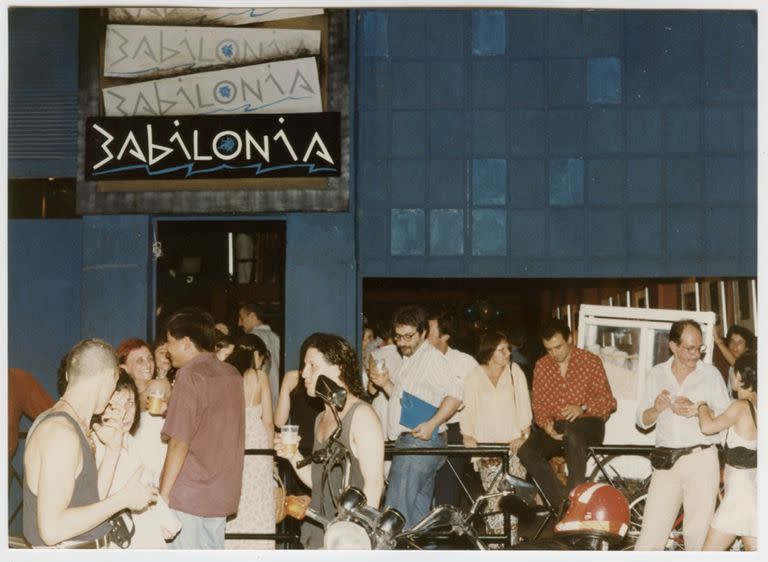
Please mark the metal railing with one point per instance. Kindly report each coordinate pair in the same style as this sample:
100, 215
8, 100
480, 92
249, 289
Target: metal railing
290, 538
482, 450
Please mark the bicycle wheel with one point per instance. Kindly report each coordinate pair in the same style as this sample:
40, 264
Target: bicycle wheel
636, 511
629, 474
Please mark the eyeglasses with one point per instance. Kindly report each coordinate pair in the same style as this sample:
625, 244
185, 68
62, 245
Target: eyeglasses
404, 337
694, 349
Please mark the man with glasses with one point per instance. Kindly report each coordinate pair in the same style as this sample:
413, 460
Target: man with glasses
571, 400
691, 478
423, 397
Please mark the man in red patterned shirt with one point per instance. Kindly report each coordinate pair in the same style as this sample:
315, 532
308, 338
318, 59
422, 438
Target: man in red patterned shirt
571, 400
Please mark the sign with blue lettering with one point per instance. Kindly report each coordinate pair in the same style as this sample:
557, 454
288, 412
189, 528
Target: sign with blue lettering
224, 146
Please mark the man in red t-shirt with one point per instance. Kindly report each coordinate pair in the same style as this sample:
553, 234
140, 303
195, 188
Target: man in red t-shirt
205, 426
571, 400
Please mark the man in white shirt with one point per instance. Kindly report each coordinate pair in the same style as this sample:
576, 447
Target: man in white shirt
448, 480
423, 376
249, 318
670, 400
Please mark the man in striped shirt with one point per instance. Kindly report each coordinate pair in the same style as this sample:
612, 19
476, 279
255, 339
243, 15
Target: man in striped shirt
425, 396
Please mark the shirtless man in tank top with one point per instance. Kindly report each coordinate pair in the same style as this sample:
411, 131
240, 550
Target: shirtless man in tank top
62, 503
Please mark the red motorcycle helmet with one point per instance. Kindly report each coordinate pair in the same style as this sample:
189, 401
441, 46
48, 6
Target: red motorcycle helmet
596, 509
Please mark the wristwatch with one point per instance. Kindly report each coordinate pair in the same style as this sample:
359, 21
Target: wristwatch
583, 408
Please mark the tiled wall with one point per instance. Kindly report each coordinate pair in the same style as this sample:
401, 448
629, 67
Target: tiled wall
566, 143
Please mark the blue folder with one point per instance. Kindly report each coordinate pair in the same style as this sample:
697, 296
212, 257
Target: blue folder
414, 410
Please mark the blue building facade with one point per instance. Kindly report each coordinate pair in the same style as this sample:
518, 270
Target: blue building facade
484, 143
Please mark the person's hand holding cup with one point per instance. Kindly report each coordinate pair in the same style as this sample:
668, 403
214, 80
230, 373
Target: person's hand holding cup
287, 443
378, 372
156, 404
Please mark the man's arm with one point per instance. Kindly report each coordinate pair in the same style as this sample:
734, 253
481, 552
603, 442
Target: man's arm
174, 460
447, 408
661, 403
601, 401
542, 414
59, 461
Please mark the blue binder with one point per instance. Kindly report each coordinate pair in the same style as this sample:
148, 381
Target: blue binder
414, 410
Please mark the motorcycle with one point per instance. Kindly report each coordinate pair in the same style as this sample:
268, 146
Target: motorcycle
360, 526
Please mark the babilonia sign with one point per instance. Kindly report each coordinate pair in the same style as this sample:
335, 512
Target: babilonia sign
203, 147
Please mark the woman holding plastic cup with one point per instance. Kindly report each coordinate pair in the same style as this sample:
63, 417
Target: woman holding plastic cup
256, 511
361, 433
136, 358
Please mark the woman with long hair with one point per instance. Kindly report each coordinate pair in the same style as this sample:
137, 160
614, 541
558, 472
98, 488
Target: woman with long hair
256, 511
497, 409
361, 433
137, 360
737, 514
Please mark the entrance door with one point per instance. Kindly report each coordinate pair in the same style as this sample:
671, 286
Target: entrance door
216, 265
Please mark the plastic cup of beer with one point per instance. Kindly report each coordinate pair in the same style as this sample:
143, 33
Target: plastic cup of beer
289, 437
156, 401
380, 365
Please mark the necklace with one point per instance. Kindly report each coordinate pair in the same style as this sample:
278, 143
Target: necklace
86, 430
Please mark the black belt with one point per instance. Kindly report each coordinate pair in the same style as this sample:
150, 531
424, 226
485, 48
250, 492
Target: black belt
687, 450
102, 542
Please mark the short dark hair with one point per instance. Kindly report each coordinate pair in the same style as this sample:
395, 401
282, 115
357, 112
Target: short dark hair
195, 324
411, 315
221, 340
552, 327
446, 321
242, 356
125, 381
677, 329
746, 333
249, 307
487, 345
746, 366
338, 351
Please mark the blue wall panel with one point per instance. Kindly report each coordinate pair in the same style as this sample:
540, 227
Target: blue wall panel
320, 279
116, 277
606, 178
644, 181
44, 272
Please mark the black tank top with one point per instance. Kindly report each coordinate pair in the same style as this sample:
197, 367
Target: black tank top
86, 490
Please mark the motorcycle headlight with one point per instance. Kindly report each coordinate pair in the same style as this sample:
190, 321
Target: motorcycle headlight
345, 535
391, 522
351, 500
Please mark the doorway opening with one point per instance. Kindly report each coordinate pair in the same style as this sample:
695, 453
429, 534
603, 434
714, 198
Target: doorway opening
217, 265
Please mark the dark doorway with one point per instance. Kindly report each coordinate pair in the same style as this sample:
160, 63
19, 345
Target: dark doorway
217, 265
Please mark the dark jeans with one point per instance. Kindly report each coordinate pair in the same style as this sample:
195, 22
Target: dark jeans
447, 486
579, 434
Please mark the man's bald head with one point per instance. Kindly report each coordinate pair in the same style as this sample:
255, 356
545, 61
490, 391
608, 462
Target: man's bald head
89, 358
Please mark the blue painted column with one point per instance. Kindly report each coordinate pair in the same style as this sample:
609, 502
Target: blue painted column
116, 277
320, 280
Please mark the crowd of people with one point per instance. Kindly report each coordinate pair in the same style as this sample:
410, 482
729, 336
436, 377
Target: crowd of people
146, 446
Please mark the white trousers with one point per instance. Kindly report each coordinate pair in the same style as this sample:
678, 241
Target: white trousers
692, 483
